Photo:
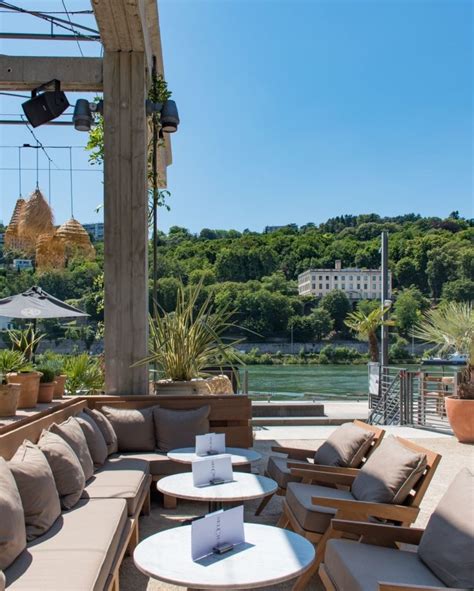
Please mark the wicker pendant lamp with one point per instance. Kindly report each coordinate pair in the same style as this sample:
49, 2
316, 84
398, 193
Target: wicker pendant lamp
50, 252
75, 238
12, 240
36, 218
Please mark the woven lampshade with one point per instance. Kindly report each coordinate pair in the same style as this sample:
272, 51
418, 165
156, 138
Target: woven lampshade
75, 238
36, 218
11, 234
50, 252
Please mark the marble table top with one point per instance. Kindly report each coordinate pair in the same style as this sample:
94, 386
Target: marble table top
239, 455
243, 487
269, 555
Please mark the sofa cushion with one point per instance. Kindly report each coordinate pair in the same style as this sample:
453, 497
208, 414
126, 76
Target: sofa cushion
37, 488
159, 463
346, 446
12, 519
447, 545
95, 439
313, 517
71, 432
277, 468
2, 581
133, 426
67, 470
120, 478
106, 429
360, 567
178, 428
389, 474
76, 554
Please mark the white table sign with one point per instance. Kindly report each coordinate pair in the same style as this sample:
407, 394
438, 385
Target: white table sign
216, 530
209, 444
212, 470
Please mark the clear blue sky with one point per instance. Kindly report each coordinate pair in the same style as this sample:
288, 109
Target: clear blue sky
291, 111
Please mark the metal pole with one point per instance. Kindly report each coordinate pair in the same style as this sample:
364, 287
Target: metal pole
155, 195
384, 298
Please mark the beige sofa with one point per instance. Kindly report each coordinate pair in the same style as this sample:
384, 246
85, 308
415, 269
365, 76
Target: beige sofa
84, 548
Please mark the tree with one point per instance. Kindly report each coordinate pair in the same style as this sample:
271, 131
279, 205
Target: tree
366, 327
338, 306
408, 307
322, 323
167, 292
406, 273
302, 328
460, 290
438, 270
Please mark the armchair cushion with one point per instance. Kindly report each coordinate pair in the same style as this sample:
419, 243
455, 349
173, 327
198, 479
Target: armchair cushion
12, 520
133, 426
345, 447
37, 488
360, 567
67, 470
389, 474
72, 434
277, 468
178, 428
447, 546
95, 440
313, 517
106, 429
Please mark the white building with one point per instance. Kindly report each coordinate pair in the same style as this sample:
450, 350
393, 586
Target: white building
96, 230
357, 284
21, 264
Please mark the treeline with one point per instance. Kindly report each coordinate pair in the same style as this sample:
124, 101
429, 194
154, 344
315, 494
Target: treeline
431, 259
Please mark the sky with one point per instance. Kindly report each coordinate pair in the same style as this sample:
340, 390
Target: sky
292, 111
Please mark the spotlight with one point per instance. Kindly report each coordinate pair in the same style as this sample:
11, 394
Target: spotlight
45, 107
169, 117
82, 117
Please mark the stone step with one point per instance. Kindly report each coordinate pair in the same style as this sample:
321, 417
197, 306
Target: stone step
287, 409
299, 421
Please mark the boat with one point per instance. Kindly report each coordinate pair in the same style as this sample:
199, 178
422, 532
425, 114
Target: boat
453, 359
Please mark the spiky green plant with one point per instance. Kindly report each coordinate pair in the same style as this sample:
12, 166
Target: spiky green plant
25, 340
450, 327
84, 373
189, 339
366, 326
11, 361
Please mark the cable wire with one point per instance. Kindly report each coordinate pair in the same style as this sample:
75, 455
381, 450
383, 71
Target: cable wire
69, 19
19, 169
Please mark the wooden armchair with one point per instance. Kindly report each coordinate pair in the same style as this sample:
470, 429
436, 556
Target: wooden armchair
279, 468
325, 493
443, 557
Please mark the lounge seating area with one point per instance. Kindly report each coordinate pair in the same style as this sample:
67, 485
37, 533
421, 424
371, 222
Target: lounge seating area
78, 494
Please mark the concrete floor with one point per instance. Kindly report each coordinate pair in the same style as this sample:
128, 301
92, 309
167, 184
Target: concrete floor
455, 456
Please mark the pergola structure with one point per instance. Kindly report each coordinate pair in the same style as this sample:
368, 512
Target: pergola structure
130, 33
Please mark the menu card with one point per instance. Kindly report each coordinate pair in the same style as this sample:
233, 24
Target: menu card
212, 470
217, 530
210, 444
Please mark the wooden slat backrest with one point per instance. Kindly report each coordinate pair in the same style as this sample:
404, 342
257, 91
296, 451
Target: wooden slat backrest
432, 460
10, 441
379, 433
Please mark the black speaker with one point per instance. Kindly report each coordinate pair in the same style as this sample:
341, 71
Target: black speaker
45, 107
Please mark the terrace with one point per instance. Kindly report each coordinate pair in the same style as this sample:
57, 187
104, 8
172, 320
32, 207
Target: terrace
90, 483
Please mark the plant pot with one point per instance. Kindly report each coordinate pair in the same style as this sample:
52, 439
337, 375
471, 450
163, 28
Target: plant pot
184, 388
59, 387
9, 395
46, 391
460, 413
29, 387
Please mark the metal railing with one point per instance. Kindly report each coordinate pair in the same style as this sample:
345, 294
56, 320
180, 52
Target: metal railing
413, 398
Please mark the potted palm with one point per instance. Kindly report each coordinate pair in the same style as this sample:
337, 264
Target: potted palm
450, 327
55, 362
84, 374
46, 385
26, 341
10, 361
366, 326
186, 341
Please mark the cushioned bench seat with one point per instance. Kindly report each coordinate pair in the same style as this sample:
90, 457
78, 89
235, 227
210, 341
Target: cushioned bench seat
120, 478
76, 553
277, 469
158, 462
360, 567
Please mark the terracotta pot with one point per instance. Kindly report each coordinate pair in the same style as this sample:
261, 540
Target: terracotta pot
29, 387
46, 391
59, 387
461, 418
9, 395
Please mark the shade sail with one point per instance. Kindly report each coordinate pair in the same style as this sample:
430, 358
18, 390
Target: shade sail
36, 303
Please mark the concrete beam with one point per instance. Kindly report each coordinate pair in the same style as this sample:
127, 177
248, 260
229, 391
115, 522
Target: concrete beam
27, 72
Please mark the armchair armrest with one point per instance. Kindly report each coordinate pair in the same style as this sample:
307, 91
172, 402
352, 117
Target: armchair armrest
404, 587
294, 453
316, 477
362, 510
323, 468
379, 532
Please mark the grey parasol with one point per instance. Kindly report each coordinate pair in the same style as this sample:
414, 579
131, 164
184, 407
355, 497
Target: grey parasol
34, 304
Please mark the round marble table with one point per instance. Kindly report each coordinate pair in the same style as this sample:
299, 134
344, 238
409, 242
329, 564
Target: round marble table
269, 555
244, 487
239, 455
